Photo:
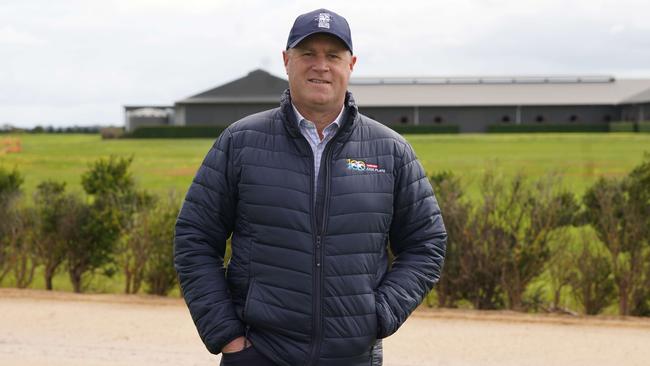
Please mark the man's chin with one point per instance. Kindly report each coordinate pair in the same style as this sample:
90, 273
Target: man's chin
319, 101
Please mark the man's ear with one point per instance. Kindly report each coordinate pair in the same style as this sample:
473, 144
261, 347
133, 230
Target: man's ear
353, 60
285, 57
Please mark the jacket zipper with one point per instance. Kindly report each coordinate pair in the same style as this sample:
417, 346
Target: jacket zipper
312, 202
318, 273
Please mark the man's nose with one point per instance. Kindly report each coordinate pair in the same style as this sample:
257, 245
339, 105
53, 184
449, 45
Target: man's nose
321, 64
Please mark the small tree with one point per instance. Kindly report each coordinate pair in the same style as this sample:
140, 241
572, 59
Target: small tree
10, 222
111, 187
109, 178
559, 268
481, 259
510, 235
160, 272
52, 231
92, 245
591, 278
114, 203
136, 244
22, 259
619, 211
637, 188
133, 253
542, 211
455, 211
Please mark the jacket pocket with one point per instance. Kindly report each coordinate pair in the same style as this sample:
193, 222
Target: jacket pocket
248, 300
269, 308
374, 306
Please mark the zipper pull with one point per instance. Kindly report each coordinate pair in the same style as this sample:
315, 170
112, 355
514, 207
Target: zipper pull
317, 256
246, 342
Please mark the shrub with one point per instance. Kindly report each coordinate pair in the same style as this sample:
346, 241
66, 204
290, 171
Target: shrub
54, 226
160, 273
498, 245
116, 201
215, 131
622, 127
23, 261
133, 251
177, 132
91, 246
425, 129
559, 268
16, 232
109, 178
619, 211
10, 222
644, 126
591, 276
111, 132
449, 192
111, 186
547, 127
136, 245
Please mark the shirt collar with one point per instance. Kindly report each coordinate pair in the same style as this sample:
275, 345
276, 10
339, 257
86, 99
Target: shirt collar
300, 118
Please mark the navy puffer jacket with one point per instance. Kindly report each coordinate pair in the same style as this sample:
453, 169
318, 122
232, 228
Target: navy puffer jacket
309, 278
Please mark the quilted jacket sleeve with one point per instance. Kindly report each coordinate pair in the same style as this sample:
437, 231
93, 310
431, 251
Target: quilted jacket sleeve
418, 239
204, 224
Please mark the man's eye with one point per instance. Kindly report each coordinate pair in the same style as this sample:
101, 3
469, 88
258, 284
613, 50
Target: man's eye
334, 56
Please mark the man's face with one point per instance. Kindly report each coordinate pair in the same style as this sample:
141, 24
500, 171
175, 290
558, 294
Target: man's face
319, 69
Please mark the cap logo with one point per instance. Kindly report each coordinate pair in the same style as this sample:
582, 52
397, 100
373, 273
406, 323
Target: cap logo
324, 20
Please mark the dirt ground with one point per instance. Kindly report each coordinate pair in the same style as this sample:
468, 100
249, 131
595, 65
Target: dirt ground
57, 329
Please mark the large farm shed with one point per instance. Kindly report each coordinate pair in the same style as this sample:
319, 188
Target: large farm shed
472, 103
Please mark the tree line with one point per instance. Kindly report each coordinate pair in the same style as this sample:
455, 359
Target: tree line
596, 248
519, 230
114, 226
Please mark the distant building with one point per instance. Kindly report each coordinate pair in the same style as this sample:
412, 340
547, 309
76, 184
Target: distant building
140, 116
225, 104
472, 103
475, 103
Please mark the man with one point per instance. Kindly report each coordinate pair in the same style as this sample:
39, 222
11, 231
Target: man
312, 192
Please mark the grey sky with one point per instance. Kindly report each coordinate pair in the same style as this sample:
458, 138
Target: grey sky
71, 62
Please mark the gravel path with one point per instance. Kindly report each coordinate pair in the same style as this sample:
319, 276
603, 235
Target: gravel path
57, 329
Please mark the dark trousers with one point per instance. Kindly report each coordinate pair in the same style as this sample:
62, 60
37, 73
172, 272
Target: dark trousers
250, 357
246, 357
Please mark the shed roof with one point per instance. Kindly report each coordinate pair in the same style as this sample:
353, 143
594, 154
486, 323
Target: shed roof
258, 86
500, 91
642, 97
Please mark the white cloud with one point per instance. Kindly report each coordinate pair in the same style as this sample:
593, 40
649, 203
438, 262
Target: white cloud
617, 28
9, 35
78, 61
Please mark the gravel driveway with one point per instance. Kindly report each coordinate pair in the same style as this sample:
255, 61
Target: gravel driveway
57, 329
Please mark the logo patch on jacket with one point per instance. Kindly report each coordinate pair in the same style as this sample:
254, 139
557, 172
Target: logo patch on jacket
362, 166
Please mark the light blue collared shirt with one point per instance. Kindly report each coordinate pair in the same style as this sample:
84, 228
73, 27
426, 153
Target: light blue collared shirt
309, 131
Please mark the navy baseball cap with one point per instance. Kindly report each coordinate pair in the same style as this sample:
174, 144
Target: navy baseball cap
320, 21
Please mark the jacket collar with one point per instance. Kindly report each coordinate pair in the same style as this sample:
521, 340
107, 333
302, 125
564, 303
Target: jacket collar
348, 122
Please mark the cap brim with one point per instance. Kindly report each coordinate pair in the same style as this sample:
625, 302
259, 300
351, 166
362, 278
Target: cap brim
295, 43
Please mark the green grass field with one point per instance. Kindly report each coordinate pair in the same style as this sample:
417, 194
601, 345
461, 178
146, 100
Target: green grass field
161, 165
